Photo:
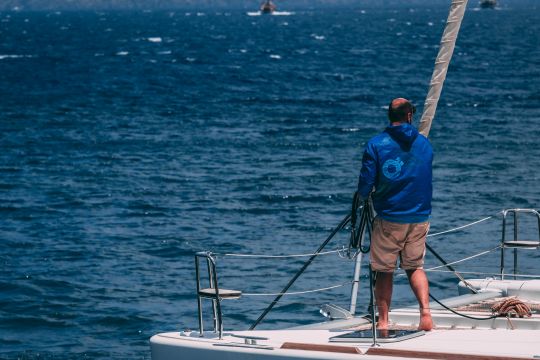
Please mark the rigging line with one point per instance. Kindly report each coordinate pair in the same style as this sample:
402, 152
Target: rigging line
461, 314
464, 259
340, 226
303, 302
459, 261
282, 256
484, 273
460, 227
451, 268
340, 250
297, 292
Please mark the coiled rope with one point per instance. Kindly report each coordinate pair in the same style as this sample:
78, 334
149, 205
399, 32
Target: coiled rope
512, 305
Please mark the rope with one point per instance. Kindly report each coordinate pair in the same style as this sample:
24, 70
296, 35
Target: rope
339, 227
461, 227
485, 273
464, 259
282, 256
505, 307
461, 314
341, 251
297, 292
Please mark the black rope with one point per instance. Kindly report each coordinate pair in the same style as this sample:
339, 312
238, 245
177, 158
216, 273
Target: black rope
461, 314
451, 268
368, 221
358, 232
340, 226
355, 233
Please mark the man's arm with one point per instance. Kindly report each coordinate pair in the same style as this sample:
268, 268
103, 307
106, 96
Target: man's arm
368, 173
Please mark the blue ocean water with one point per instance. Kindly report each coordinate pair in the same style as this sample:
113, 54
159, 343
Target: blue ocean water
130, 140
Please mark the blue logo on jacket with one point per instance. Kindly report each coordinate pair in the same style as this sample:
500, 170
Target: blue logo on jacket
392, 168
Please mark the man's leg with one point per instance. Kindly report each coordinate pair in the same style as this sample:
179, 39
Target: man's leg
383, 297
386, 243
420, 287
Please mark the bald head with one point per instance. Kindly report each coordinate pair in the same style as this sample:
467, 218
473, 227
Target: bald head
400, 110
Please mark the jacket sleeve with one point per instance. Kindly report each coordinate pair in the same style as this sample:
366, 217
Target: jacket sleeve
368, 173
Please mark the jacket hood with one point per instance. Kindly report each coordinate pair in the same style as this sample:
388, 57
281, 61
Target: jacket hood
403, 134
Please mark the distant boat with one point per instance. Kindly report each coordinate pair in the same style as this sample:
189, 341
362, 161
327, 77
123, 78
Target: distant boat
268, 7
488, 4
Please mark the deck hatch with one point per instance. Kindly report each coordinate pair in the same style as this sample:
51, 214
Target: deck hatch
383, 336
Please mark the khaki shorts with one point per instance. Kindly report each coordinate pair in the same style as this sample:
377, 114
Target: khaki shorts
390, 240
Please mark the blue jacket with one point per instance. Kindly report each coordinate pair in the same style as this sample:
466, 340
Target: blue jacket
397, 162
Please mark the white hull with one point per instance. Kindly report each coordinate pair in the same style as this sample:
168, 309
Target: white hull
489, 343
455, 337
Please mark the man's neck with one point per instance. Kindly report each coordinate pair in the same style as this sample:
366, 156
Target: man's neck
397, 123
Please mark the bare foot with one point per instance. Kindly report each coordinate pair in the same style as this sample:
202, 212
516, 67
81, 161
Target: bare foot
426, 322
382, 325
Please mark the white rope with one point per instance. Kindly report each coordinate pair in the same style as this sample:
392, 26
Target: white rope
486, 273
341, 250
282, 256
297, 292
461, 227
464, 259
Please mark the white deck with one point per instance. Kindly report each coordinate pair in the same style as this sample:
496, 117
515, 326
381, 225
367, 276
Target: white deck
491, 343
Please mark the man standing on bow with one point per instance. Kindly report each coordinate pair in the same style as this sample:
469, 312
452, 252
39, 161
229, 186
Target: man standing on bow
396, 166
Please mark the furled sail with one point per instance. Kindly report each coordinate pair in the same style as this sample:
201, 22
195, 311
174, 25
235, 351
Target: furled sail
448, 42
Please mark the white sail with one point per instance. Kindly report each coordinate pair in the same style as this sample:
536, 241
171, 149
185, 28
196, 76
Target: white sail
448, 42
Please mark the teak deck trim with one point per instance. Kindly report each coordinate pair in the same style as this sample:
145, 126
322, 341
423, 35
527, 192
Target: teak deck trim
317, 347
437, 355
